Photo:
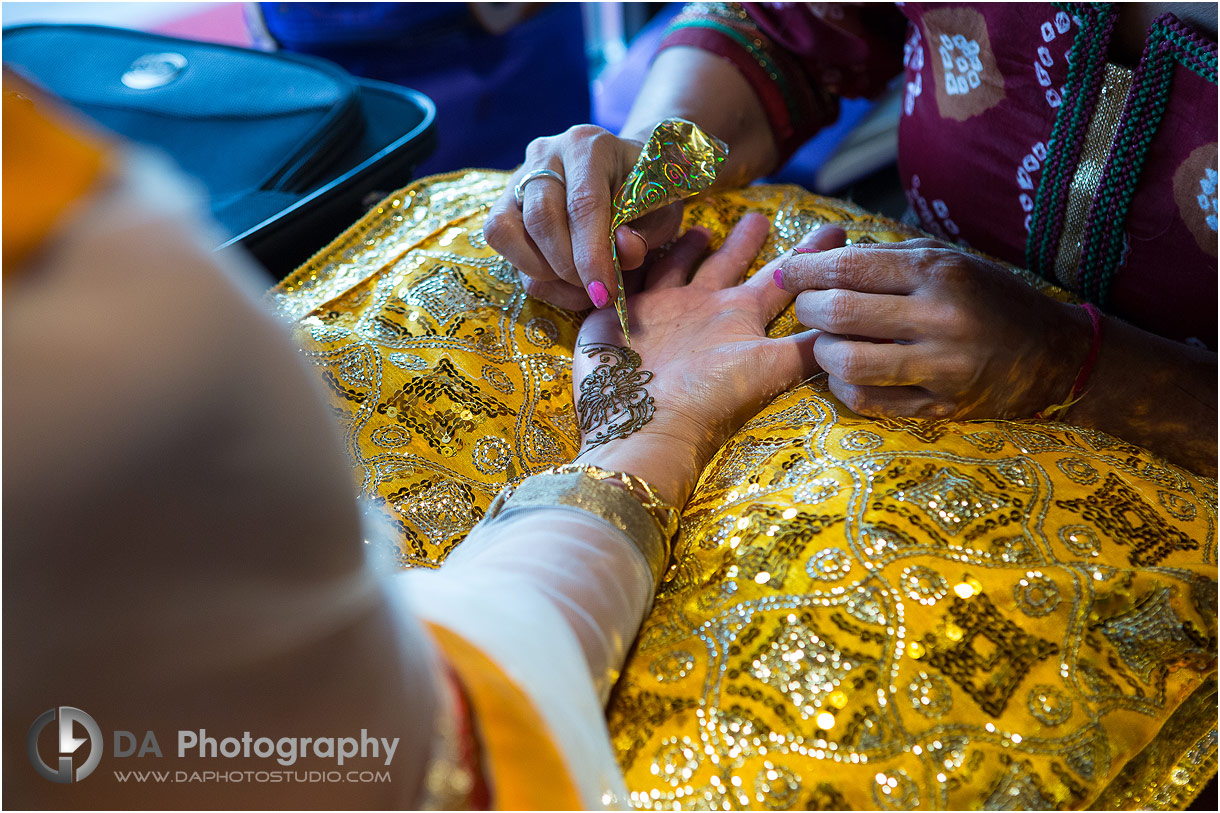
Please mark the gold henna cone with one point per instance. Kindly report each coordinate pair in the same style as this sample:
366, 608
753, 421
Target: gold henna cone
678, 160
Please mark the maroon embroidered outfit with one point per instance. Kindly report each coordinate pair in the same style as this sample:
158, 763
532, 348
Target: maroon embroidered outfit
1017, 136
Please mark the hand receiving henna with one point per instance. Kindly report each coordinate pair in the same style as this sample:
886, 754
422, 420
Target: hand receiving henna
700, 363
921, 329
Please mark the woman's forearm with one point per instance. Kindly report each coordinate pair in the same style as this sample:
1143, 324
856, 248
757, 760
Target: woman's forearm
701, 87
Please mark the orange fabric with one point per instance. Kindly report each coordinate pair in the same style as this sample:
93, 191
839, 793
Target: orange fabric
522, 763
48, 164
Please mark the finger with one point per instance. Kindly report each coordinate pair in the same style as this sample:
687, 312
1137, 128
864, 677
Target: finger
910, 245
635, 239
851, 313
593, 175
888, 402
877, 268
557, 292
769, 279
863, 363
544, 211
793, 359
823, 238
674, 269
505, 232
730, 262
771, 299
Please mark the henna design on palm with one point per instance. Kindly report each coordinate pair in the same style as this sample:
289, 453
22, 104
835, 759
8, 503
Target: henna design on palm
613, 400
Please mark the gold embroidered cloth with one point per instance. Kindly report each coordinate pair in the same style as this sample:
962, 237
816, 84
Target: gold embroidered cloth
876, 614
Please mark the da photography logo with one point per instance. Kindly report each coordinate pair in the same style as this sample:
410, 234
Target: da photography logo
69, 745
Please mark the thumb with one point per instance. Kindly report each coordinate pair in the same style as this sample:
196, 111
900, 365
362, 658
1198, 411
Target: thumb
635, 239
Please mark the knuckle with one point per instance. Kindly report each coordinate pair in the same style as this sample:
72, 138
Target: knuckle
839, 269
852, 363
944, 266
543, 216
538, 148
954, 324
600, 139
498, 231
841, 308
583, 204
581, 132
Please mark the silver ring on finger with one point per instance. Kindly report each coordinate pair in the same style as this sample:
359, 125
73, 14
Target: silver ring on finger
533, 176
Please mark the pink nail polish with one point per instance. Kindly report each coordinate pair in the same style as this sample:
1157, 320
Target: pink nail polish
806, 250
599, 294
779, 277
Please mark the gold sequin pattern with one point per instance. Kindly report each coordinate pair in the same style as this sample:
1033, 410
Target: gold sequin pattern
449, 381
878, 614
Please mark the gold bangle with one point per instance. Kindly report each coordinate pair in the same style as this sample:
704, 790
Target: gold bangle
666, 515
624, 501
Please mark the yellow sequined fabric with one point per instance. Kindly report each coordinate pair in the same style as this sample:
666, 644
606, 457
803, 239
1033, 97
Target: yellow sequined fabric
864, 614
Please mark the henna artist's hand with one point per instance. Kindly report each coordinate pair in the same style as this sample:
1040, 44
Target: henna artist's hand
700, 363
559, 235
920, 329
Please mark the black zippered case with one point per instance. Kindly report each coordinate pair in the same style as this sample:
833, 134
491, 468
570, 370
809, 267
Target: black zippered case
289, 147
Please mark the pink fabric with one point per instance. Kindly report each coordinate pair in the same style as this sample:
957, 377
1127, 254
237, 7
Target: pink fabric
225, 24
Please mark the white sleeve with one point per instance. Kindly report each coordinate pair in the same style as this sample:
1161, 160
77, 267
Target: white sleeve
554, 596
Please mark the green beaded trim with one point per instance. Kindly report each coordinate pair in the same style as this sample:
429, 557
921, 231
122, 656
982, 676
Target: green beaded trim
1104, 230
1086, 57
1101, 257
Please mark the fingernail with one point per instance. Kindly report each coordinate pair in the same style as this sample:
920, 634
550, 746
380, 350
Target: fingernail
599, 294
806, 250
779, 277
640, 237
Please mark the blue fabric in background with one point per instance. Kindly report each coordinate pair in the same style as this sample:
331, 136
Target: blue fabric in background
493, 93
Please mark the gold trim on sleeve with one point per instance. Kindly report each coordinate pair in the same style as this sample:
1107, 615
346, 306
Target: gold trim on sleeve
625, 502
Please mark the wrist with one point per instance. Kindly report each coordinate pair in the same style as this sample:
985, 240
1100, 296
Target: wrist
1073, 356
669, 464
